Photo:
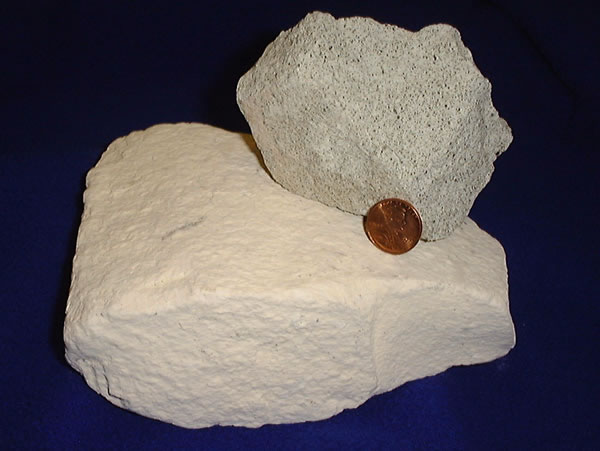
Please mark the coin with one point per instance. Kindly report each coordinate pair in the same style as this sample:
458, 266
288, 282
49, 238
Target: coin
393, 225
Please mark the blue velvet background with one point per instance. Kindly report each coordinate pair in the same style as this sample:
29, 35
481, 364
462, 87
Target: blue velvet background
75, 75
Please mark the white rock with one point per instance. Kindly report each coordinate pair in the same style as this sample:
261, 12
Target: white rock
204, 293
351, 111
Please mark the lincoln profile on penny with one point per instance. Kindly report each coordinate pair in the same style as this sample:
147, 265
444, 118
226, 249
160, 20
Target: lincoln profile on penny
393, 225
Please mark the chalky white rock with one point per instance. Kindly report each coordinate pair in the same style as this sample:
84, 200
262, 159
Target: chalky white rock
204, 293
351, 111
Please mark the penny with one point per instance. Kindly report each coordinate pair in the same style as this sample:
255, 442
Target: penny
393, 225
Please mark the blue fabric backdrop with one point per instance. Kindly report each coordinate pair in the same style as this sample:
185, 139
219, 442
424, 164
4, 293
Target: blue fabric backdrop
77, 74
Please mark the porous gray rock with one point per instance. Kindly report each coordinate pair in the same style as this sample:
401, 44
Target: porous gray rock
204, 293
351, 111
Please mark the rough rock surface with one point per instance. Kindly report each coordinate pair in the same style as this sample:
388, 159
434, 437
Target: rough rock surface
351, 111
204, 293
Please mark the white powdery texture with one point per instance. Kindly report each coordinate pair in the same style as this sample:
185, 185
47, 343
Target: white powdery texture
204, 293
351, 111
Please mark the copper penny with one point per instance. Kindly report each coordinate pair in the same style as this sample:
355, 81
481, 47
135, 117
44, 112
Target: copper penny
393, 225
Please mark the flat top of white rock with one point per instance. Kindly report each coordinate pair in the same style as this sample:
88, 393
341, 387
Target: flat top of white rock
222, 225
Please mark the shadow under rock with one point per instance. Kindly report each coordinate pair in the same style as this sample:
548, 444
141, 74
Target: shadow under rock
249, 140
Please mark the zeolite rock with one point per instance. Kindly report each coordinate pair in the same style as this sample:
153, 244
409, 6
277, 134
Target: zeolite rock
204, 293
351, 111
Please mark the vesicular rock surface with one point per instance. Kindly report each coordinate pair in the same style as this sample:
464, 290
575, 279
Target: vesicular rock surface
351, 111
204, 293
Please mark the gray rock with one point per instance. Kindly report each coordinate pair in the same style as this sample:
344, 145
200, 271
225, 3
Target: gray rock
351, 111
